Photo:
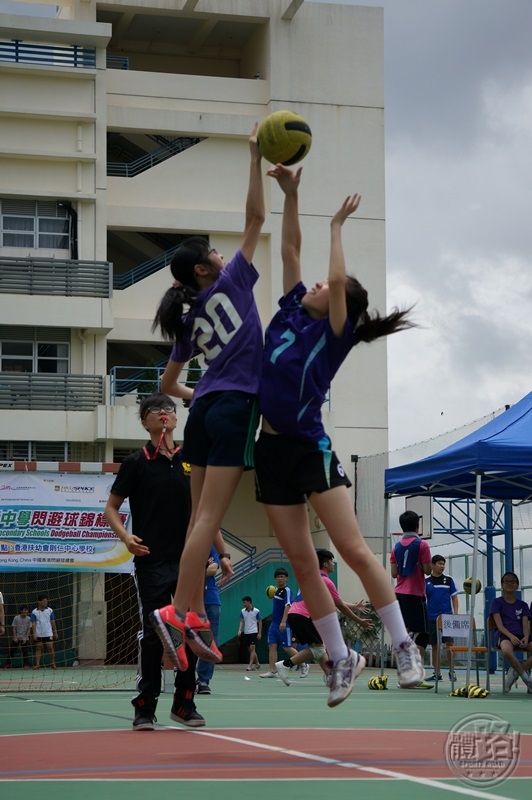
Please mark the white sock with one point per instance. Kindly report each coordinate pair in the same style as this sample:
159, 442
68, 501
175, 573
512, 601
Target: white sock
393, 622
331, 634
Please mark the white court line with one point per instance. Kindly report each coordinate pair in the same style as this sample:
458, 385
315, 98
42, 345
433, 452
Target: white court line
384, 773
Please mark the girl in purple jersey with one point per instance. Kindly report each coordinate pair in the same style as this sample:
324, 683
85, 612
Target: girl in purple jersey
223, 322
512, 619
306, 342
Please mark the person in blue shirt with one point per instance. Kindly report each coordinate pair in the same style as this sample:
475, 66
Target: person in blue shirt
213, 605
442, 598
279, 632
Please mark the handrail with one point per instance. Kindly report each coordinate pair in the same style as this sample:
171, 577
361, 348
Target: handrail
251, 564
149, 160
134, 376
143, 270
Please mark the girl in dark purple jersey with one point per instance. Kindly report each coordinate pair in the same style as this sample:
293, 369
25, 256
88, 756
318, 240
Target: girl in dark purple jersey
306, 342
511, 616
223, 322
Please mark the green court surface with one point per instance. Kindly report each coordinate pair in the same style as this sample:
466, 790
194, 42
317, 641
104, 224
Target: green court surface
261, 737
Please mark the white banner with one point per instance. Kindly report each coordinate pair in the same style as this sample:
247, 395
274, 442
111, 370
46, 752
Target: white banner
56, 521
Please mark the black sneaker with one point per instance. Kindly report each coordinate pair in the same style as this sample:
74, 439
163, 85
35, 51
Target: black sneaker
202, 688
184, 711
144, 721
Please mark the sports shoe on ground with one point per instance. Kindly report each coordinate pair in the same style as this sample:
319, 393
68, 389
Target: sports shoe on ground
184, 711
410, 670
54, 666
527, 680
37, 666
203, 688
26, 666
268, 674
171, 632
304, 670
343, 674
282, 672
249, 669
143, 721
421, 685
200, 638
453, 676
435, 677
7, 665
511, 678
256, 666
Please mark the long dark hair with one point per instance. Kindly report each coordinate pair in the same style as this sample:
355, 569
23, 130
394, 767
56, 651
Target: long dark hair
369, 327
168, 318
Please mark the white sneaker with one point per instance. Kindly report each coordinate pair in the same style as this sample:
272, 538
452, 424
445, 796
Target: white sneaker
410, 670
343, 674
268, 674
527, 680
304, 670
282, 672
511, 677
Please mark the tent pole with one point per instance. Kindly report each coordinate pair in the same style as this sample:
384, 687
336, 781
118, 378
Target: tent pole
385, 536
478, 482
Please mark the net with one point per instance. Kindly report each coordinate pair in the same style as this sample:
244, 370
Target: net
97, 622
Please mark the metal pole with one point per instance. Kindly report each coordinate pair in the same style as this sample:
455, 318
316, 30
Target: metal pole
384, 564
478, 484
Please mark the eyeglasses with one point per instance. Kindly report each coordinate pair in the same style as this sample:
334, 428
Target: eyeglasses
509, 581
214, 250
158, 409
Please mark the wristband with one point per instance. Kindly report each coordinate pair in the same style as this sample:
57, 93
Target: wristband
224, 555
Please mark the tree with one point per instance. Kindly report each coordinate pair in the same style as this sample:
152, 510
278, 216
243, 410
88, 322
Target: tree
194, 373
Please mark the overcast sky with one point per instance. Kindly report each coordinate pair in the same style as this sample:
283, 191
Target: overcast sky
458, 123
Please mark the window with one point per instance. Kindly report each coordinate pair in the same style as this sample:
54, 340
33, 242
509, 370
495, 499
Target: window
35, 355
34, 224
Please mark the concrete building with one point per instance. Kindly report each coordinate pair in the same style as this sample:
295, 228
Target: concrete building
124, 127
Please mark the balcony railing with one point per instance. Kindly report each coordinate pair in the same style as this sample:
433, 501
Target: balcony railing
48, 55
69, 278
143, 381
35, 391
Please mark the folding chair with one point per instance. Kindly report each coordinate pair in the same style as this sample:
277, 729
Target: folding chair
457, 626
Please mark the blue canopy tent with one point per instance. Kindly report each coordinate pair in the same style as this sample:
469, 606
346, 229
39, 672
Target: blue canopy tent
493, 462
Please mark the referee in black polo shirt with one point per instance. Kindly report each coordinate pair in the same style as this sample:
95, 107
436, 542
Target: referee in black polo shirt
155, 482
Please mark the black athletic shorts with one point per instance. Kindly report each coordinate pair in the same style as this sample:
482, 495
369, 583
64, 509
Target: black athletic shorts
433, 634
288, 469
303, 629
220, 430
414, 611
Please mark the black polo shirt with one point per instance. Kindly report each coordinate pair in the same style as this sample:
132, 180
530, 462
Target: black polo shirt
159, 498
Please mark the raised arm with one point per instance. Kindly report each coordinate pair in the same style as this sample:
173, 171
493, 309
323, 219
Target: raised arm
291, 229
170, 384
255, 211
337, 301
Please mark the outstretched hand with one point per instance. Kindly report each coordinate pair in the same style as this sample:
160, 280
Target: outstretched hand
350, 204
253, 143
287, 179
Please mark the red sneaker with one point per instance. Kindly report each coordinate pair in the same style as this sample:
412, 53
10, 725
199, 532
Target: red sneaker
54, 666
171, 631
37, 666
200, 638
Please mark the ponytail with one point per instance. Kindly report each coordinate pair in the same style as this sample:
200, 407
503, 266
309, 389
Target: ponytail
169, 316
194, 250
370, 327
